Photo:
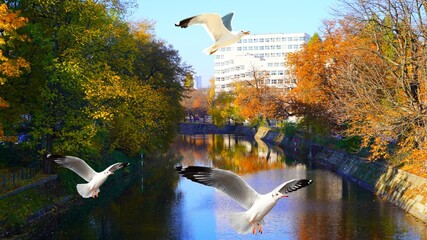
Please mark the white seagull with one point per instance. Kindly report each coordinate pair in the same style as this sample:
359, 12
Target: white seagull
257, 205
94, 179
218, 28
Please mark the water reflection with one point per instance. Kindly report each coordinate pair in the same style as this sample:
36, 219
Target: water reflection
229, 152
161, 205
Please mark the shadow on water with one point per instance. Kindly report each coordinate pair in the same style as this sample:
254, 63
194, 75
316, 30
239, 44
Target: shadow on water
161, 205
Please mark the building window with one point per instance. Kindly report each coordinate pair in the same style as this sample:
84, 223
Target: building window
255, 47
284, 39
245, 48
267, 47
274, 81
261, 48
267, 39
289, 38
270, 64
250, 40
295, 46
301, 39
255, 40
245, 40
267, 55
261, 40
277, 39
250, 48
239, 48
273, 47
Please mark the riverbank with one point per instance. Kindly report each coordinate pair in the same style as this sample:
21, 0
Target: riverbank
402, 189
42, 203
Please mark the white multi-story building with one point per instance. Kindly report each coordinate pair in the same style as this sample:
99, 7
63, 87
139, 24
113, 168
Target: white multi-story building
260, 53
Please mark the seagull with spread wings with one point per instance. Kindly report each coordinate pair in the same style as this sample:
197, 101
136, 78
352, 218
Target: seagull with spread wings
218, 28
94, 179
257, 205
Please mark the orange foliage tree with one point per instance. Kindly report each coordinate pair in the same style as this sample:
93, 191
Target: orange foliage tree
10, 65
369, 75
255, 99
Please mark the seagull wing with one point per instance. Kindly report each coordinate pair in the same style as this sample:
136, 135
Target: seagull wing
226, 181
117, 166
226, 20
212, 22
77, 165
293, 185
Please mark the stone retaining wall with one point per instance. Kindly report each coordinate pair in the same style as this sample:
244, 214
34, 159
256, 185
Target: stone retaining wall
400, 188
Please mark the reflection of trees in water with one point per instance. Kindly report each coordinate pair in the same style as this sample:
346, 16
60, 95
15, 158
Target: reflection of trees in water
229, 152
147, 208
144, 210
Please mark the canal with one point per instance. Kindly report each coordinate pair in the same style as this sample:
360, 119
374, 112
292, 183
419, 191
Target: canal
162, 205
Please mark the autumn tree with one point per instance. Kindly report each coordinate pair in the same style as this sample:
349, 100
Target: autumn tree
387, 81
97, 83
221, 107
12, 64
369, 76
256, 100
195, 103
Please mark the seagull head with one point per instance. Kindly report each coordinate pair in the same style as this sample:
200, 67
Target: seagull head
278, 195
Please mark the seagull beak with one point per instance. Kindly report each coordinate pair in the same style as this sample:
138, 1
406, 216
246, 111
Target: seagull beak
247, 33
284, 196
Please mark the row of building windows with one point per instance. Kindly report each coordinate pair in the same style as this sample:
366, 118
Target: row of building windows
269, 47
276, 39
266, 81
274, 75
262, 48
230, 70
256, 55
242, 67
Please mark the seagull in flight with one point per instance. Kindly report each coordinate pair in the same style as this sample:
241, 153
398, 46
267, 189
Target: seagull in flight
94, 179
257, 205
218, 28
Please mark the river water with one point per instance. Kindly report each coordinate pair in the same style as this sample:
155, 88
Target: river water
162, 205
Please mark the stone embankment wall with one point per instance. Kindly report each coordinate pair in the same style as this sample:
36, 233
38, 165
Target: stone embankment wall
400, 188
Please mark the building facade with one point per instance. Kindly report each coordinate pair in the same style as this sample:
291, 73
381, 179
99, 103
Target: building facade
260, 53
198, 82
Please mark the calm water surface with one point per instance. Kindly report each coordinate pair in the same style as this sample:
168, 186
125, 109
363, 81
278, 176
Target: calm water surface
161, 205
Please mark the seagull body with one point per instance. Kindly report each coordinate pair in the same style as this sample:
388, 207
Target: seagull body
257, 205
94, 179
218, 28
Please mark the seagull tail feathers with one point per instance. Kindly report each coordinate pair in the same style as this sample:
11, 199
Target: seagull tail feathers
240, 222
84, 190
210, 50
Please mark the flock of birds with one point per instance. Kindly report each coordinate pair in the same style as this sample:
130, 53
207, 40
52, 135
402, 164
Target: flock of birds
256, 205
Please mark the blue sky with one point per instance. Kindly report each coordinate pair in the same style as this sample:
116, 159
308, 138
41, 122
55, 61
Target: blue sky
258, 17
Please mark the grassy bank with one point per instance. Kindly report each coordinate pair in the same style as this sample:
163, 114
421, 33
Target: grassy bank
53, 198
